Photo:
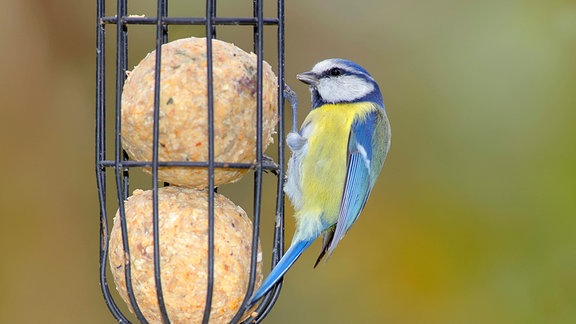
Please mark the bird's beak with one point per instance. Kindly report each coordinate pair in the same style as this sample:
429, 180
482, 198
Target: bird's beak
309, 78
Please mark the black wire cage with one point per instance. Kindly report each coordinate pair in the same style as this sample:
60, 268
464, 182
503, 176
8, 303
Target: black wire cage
117, 165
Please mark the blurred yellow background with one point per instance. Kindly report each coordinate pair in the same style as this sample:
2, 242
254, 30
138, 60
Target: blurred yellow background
472, 220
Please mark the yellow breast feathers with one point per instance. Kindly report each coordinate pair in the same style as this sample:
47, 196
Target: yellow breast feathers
324, 166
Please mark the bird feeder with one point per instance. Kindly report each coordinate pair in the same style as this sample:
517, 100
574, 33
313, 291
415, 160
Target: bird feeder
194, 114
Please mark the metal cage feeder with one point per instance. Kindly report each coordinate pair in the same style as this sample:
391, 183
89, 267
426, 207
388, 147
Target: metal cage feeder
118, 165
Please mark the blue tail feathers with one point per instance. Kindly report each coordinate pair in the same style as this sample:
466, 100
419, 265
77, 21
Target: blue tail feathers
280, 269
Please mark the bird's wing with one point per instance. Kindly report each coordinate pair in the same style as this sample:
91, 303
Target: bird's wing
365, 149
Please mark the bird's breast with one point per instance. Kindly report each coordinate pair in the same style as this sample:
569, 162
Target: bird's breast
327, 129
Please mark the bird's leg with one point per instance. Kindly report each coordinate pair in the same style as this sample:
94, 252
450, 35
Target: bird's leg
294, 140
292, 98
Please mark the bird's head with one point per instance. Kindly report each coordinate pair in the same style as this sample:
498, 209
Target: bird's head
340, 81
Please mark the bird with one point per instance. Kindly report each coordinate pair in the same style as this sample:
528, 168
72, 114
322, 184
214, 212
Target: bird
336, 158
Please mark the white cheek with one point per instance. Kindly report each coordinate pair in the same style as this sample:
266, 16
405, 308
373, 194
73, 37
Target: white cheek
344, 88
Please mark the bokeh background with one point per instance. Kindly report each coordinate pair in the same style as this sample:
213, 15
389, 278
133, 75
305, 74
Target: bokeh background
472, 220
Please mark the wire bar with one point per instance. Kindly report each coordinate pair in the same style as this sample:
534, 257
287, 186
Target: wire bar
160, 39
259, 50
121, 67
121, 165
266, 165
210, 33
100, 155
141, 20
278, 248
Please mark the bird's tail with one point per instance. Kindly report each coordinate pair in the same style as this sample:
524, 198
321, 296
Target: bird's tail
280, 269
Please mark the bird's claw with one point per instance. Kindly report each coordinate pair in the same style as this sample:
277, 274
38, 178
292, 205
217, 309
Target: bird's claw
270, 161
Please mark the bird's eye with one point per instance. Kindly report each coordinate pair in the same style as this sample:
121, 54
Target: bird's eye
335, 72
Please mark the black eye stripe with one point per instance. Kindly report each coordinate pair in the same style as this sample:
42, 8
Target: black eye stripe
335, 71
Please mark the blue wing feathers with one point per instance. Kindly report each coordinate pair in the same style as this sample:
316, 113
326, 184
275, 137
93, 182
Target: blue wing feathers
291, 255
362, 131
358, 182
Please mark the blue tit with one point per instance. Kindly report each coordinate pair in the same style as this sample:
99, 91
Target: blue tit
336, 158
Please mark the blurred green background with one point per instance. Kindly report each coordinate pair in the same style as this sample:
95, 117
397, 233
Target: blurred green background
472, 220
